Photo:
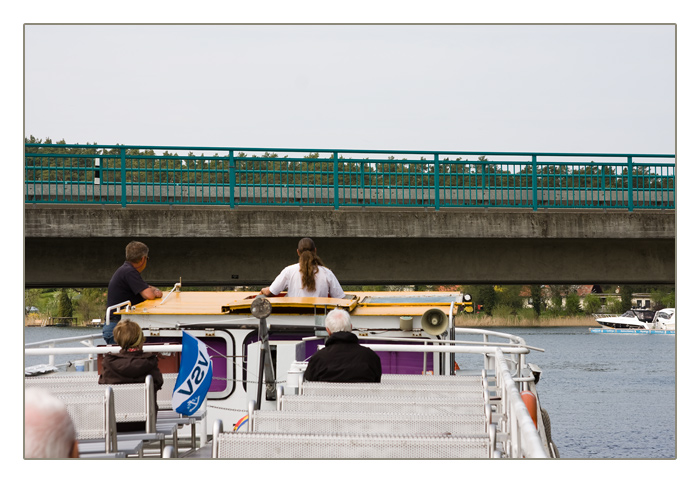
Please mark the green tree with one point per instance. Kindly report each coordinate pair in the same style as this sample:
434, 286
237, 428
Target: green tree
65, 306
509, 296
626, 296
486, 296
662, 299
591, 304
90, 304
572, 303
32, 297
536, 294
616, 307
555, 296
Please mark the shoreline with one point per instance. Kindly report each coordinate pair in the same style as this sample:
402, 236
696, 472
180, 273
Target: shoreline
460, 321
487, 321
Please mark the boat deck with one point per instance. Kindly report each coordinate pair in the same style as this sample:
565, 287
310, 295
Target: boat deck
358, 303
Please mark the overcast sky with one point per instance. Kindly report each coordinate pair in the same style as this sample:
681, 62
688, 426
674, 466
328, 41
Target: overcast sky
546, 88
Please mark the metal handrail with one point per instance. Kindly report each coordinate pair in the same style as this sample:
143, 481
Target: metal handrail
63, 340
43, 351
118, 174
524, 439
126, 303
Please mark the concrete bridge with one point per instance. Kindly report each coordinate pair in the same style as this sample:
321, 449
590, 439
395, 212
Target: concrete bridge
81, 245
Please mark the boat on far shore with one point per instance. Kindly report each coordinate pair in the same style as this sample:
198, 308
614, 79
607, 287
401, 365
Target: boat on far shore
640, 321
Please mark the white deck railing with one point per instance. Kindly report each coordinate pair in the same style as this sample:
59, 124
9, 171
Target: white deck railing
524, 439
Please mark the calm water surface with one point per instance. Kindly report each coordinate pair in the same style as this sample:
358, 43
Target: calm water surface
37, 334
607, 395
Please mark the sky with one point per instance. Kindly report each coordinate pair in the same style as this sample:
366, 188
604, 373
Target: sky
543, 88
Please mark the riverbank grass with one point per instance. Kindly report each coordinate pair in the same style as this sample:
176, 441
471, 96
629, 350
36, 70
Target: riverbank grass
522, 320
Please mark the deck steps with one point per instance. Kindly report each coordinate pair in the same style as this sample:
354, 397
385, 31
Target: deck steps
333, 446
366, 423
401, 417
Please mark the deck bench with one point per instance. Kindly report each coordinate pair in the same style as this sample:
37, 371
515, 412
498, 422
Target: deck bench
366, 423
343, 446
165, 415
471, 393
376, 404
132, 403
93, 417
401, 417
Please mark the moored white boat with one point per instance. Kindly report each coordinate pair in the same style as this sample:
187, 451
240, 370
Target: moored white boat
640, 321
631, 319
259, 358
665, 319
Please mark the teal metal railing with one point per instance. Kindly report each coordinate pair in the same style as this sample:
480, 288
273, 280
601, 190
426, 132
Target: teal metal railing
127, 175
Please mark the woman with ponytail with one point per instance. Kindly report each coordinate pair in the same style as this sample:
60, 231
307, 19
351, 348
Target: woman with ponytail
308, 278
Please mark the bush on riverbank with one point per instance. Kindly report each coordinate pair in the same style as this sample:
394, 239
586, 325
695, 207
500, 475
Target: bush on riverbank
524, 318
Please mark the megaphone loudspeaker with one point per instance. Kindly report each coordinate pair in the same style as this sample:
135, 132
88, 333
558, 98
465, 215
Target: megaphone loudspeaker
434, 321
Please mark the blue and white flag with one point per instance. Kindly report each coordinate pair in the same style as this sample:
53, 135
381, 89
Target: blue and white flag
194, 378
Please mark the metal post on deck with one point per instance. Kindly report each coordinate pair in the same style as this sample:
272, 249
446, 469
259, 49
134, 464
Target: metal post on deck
261, 308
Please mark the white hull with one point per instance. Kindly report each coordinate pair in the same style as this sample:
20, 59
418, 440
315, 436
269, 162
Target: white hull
636, 319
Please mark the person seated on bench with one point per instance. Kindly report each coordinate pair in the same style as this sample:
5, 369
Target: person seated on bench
48, 428
343, 359
130, 365
308, 278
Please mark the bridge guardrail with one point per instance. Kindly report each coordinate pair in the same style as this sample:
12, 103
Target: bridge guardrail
126, 175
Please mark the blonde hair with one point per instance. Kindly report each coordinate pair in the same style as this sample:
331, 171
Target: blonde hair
308, 263
128, 334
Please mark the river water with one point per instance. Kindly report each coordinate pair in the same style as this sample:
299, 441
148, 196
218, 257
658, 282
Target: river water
607, 395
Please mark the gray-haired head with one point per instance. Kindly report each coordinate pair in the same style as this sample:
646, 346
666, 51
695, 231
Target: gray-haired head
135, 251
338, 320
48, 428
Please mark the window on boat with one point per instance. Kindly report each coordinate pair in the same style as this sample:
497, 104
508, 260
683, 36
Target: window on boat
629, 313
664, 315
647, 315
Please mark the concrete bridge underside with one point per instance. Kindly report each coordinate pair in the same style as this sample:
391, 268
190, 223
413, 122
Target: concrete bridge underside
81, 246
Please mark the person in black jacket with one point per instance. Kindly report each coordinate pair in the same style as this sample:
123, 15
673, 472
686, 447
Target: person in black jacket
343, 359
130, 365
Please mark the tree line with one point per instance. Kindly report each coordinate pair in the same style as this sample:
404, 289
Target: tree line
77, 164
553, 301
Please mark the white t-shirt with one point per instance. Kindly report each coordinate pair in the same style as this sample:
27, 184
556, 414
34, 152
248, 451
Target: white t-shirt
290, 279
